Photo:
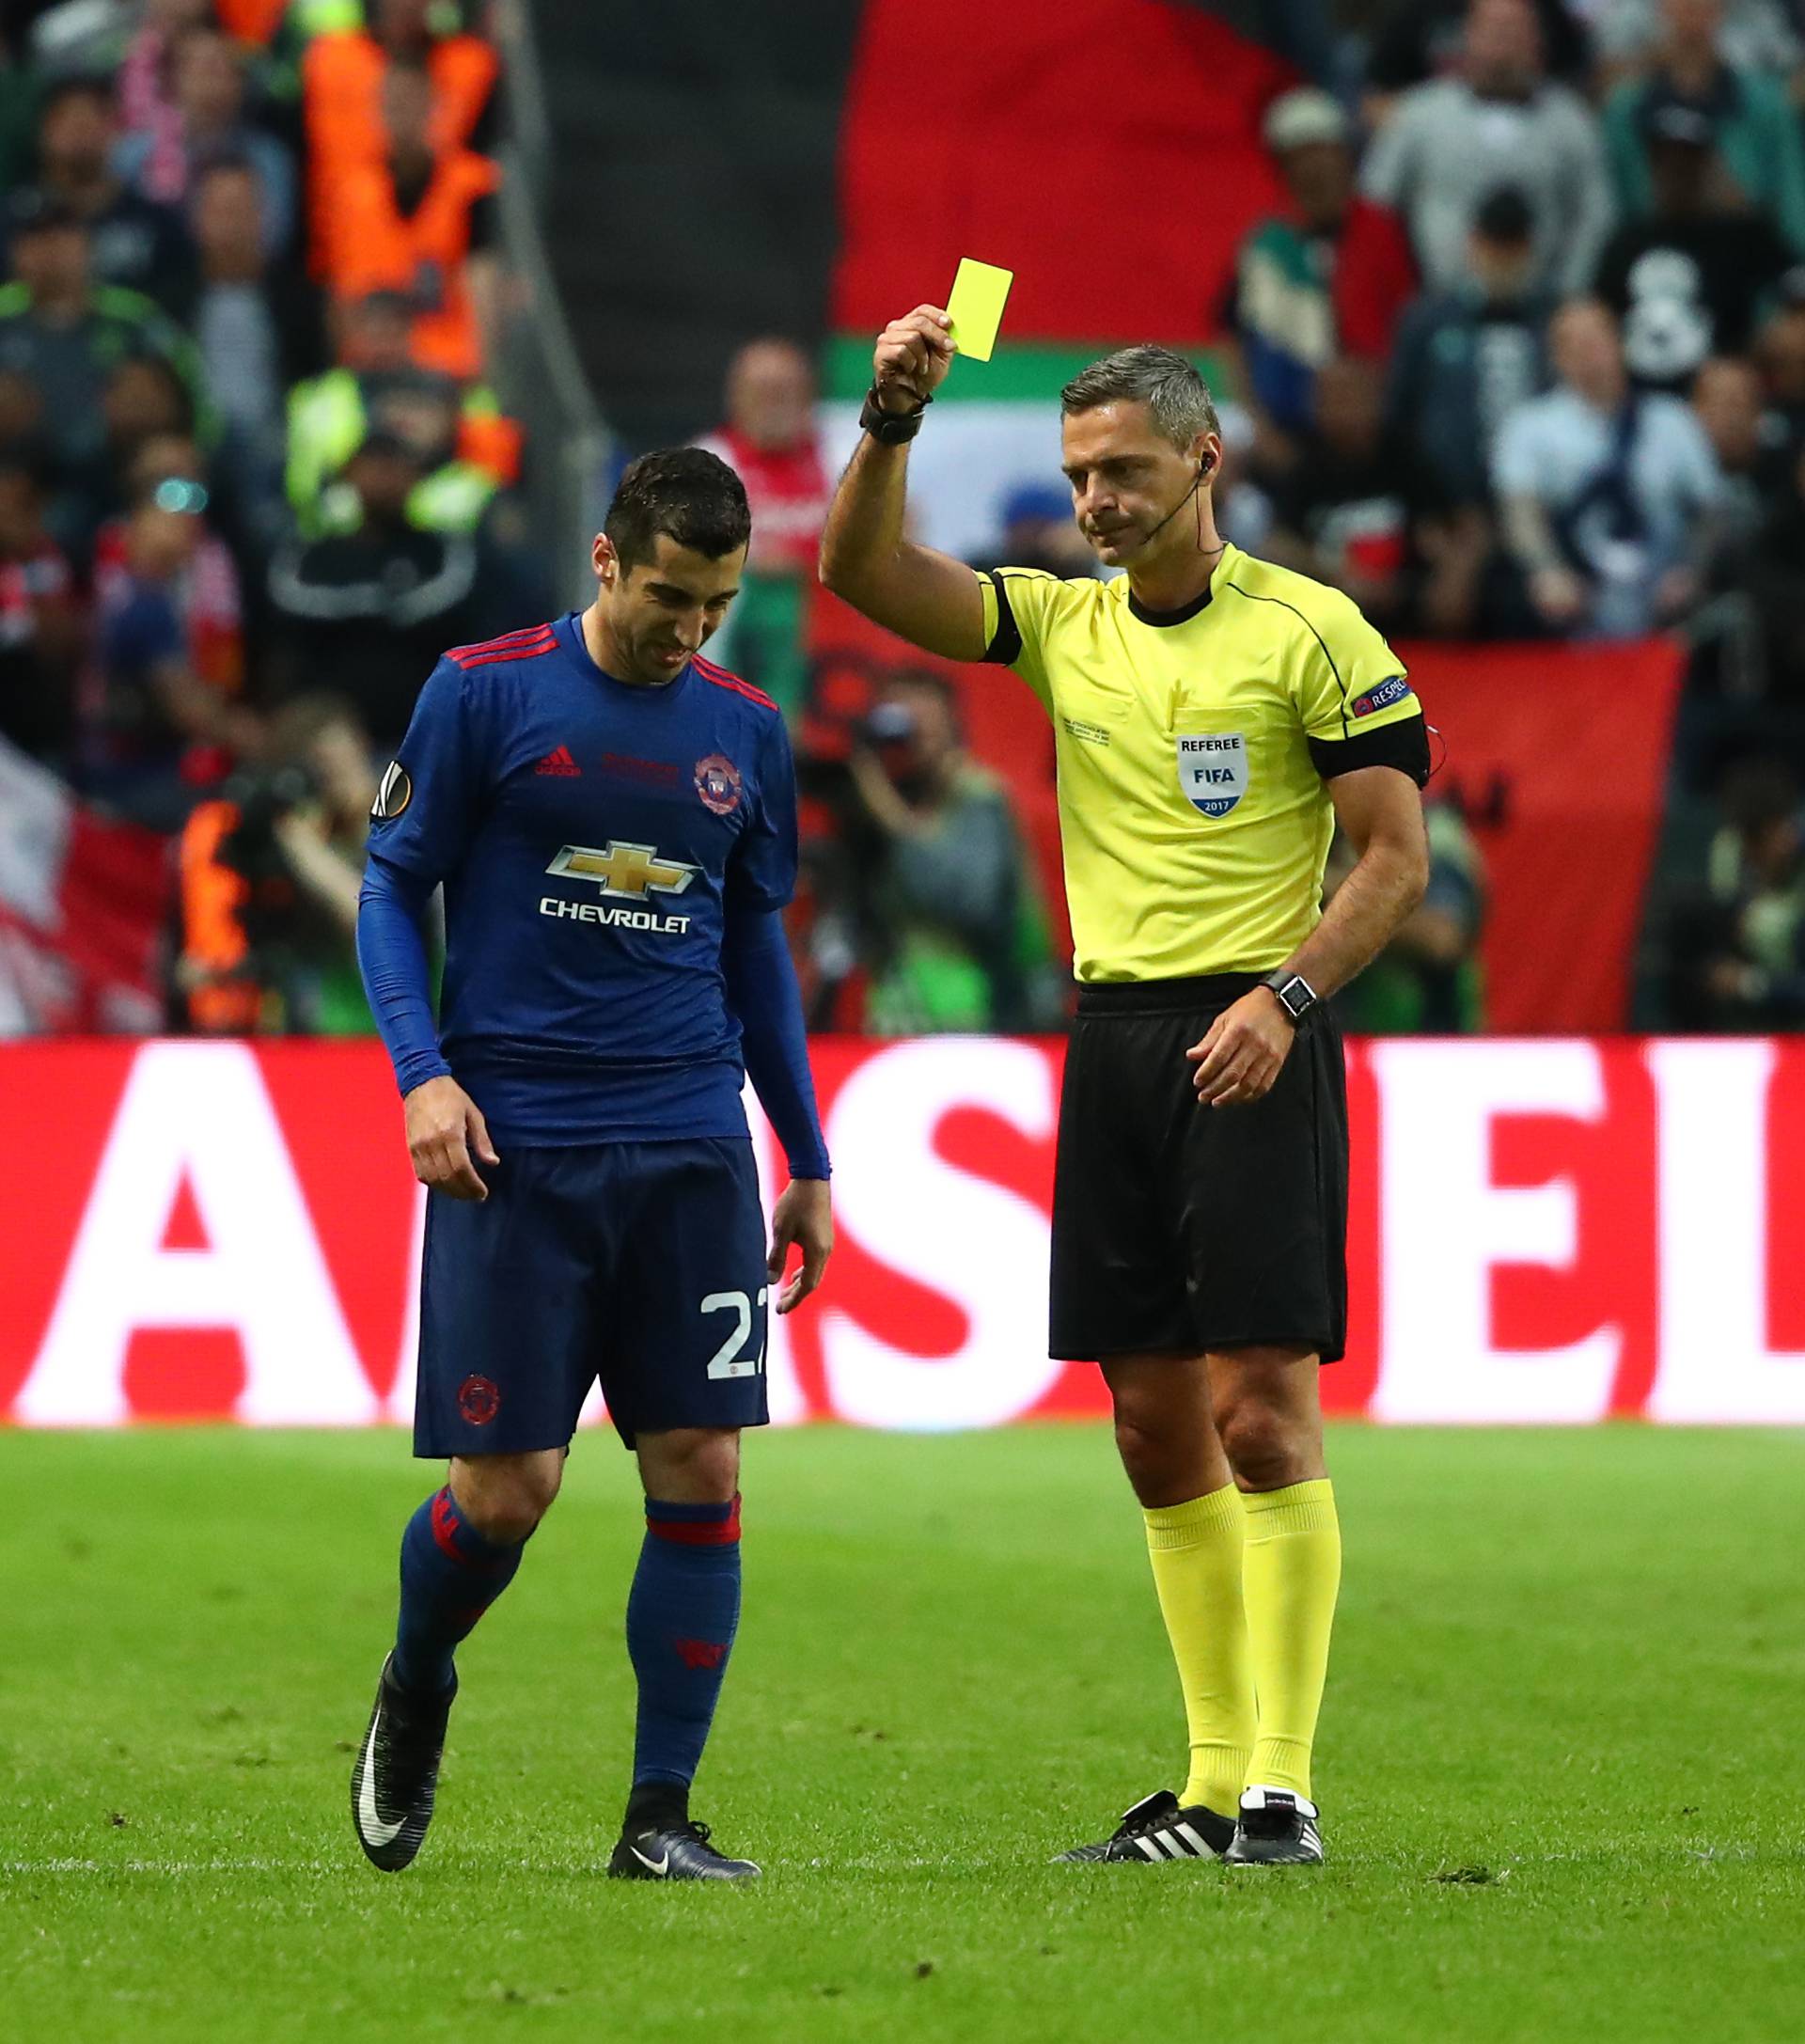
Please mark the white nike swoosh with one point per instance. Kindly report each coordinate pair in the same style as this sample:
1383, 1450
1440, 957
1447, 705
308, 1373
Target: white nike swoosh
368, 1817
656, 1866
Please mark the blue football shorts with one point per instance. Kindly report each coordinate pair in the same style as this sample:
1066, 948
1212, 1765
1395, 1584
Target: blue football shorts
637, 1264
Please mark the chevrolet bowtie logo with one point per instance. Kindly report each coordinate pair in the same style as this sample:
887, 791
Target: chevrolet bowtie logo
624, 869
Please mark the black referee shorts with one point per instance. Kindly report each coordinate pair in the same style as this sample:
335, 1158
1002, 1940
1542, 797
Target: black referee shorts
1183, 1227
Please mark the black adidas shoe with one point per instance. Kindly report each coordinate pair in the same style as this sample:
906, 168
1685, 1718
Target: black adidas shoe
681, 1852
1158, 1828
396, 1772
1276, 1828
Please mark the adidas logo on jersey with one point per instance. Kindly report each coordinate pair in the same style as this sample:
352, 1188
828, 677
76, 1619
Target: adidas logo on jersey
559, 761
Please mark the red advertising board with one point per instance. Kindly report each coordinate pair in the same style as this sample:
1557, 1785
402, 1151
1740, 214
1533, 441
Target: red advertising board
1541, 1231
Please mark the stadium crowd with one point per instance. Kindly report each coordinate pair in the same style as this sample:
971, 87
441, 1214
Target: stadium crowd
1522, 355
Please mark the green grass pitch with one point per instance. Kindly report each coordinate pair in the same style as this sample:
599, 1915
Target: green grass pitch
1559, 1766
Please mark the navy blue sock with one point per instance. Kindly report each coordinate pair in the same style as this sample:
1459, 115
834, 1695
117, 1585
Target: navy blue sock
682, 1616
451, 1575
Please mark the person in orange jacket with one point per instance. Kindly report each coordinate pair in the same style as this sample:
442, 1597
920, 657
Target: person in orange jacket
423, 222
341, 85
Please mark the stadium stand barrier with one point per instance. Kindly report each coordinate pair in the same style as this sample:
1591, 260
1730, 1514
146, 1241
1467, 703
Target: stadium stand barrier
541, 375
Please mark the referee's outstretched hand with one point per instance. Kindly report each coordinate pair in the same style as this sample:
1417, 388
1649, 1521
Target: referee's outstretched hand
913, 355
1243, 1052
804, 1216
447, 1138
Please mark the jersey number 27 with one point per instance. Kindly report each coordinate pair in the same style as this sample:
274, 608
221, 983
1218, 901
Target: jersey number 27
730, 1359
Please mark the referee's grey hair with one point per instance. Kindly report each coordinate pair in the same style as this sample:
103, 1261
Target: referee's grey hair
1162, 380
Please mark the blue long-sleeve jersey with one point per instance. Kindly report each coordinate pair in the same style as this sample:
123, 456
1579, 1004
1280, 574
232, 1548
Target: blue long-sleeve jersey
615, 860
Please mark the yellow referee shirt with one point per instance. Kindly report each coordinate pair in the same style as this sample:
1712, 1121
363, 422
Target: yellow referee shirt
1193, 747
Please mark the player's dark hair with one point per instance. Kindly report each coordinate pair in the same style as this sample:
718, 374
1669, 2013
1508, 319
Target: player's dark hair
1164, 381
687, 493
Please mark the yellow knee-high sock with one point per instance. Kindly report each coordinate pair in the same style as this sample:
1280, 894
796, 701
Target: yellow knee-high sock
1293, 1571
1196, 1552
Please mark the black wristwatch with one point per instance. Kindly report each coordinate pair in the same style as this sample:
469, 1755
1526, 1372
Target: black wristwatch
1297, 995
892, 429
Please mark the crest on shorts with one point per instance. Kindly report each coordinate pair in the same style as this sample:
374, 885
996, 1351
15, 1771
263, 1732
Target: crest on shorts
478, 1400
1213, 770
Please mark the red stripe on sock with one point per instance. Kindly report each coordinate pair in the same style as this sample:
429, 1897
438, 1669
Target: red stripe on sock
686, 1533
445, 1529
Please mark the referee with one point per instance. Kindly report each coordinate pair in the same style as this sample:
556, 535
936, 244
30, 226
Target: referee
1214, 718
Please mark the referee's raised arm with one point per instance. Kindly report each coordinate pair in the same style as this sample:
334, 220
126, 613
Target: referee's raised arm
928, 598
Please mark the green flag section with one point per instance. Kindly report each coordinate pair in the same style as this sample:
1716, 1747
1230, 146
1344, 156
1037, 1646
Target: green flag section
1025, 372
1106, 151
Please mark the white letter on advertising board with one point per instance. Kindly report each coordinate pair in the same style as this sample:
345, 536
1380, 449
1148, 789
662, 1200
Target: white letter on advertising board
976, 1242
1715, 1365
199, 1111
1445, 1225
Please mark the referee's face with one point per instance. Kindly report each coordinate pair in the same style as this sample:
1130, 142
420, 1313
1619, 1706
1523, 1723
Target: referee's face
662, 610
1126, 478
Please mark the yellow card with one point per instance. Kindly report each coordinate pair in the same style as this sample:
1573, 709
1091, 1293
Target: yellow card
980, 292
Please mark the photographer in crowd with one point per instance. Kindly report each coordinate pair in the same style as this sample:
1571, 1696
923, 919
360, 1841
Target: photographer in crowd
957, 937
271, 868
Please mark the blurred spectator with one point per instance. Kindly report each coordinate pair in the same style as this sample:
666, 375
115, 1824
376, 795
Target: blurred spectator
1776, 586
955, 932
1751, 35
1780, 353
375, 606
1729, 650
1038, 530
1736, 948
771, 439
40, 624
204, 591
1356, 513
147, 71
260, 328
1757, 131
92, 354
1726, 396
467, 450
1427, 981
133, 241
1452, 142
152, 729
1466, 357
1419, 39
210, 91
1607, 492
1328, 278
422, 223
342, 76
269, 874
1686, 280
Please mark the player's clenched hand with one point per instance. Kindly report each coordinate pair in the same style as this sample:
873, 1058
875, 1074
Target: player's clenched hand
446, 1138
913, 355
1243, 1052
803, 1215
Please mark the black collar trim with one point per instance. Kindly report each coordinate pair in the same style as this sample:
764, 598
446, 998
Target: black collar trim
1172, 616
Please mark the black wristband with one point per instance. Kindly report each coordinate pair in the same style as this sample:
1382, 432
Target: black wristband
890, 429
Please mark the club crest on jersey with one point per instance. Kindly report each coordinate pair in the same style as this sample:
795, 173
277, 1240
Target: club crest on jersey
393, 795
624, 869
717, 782
1380, 697
1212, 771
